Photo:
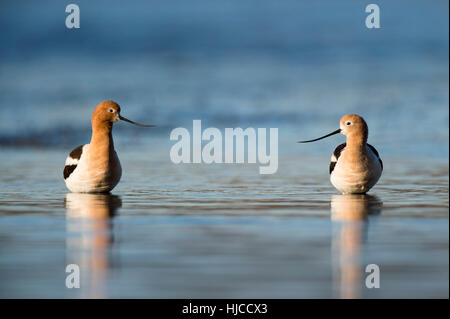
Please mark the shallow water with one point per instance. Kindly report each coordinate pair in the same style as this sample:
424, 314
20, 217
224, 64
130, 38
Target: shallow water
207, 231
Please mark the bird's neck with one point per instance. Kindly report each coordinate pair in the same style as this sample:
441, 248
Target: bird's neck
356, 143
102, 140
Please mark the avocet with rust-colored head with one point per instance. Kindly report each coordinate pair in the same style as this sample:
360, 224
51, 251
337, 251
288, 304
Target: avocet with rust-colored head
355, 166
95, 167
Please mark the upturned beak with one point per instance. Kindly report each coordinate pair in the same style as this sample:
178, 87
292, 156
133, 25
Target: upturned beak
129, 121
332, 133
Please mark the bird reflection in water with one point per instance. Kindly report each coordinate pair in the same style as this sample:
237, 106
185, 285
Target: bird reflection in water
349, 214
89, 237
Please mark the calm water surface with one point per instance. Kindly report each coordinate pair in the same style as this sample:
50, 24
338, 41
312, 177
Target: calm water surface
222, 230
194, 231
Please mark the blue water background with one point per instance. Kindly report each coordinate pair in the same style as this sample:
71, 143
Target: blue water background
295, 65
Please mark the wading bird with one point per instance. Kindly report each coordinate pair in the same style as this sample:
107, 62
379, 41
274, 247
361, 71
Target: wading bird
95, 167
355, 166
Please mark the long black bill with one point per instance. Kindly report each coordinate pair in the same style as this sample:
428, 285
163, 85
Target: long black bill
332, 133
129, 121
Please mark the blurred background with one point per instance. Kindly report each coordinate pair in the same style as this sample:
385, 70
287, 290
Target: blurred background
221, 231
295, 65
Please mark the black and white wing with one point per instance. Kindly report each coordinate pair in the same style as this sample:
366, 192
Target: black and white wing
376, 154
72, 161
335, 156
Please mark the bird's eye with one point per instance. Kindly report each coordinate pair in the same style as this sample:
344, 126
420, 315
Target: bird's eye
348, 123
111, 110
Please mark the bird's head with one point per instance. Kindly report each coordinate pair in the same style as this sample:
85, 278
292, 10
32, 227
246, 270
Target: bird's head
108, 112
352, 125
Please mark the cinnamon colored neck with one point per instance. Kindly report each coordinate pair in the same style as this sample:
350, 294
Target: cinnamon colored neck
102, 136
356, 142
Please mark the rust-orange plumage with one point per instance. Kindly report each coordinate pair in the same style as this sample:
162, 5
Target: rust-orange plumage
95, 167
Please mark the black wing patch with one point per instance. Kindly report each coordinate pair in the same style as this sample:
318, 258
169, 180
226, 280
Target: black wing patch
68, 169
376, 154
336, 153
75, 155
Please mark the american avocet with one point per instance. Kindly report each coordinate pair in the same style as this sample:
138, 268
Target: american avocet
355, 166
95, 167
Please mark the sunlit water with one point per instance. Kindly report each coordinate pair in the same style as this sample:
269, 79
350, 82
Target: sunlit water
200, 231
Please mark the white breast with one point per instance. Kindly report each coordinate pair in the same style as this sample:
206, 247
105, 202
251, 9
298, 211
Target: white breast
349, 179
86, 180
